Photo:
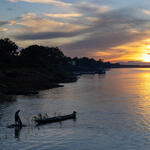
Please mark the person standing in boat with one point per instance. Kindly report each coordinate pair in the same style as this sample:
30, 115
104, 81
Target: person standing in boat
18, 121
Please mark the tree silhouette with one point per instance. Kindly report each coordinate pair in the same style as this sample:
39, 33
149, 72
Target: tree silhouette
37, 54
33, 51
7, 48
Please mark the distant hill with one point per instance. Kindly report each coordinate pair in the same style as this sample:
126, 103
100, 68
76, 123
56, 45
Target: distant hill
135, 63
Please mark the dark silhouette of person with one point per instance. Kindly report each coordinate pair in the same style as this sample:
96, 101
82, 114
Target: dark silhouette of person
17, 132
18, 121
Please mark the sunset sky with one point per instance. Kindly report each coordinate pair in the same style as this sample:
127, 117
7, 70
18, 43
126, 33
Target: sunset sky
113, 30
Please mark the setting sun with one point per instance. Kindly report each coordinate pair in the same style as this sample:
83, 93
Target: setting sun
148, 46
146, 57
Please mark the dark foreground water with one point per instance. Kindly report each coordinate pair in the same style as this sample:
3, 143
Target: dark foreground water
113, 114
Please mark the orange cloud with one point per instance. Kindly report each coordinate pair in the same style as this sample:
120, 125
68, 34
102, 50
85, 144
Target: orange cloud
64, 15
54, 2
147, 12
38, 24
3, 29
11, 22
135, 51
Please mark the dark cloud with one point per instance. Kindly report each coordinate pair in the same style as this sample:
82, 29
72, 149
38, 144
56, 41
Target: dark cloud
106, 24
3, 22
112, 28
104, 42
126, 16
10, 9
88, 7
46, 35
134, 63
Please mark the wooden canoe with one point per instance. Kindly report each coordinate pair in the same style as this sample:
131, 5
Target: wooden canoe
55, 119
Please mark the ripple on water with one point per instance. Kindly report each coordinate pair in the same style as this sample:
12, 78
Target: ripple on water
113, 114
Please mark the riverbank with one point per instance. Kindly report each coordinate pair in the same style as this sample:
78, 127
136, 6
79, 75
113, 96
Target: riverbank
38, 67
25, 81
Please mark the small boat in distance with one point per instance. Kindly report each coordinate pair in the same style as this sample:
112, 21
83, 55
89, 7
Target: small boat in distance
55, 119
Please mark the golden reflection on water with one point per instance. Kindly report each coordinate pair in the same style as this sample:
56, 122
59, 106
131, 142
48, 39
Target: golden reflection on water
142, 89
112, 110
145, 85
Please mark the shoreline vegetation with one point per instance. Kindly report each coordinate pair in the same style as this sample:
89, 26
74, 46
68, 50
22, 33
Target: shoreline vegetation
28, 70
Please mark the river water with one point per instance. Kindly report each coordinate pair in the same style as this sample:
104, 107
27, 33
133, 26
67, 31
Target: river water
113, 113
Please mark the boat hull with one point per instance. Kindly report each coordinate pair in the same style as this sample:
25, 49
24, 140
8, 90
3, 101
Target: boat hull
55, 119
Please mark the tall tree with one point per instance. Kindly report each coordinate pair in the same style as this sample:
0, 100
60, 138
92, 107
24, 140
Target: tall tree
7, 48
36, 54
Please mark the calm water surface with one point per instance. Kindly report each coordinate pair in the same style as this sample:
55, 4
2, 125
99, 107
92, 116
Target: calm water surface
113, 114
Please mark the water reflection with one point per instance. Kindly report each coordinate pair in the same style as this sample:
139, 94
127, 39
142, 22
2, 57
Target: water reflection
113, 113
142, 109
101, 75
17, 133
5, 102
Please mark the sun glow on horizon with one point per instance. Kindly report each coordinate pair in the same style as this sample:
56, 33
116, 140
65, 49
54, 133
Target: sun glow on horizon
148, 46
146, 54
146, 57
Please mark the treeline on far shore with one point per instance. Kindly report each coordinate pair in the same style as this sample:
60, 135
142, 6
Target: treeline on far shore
27, 70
